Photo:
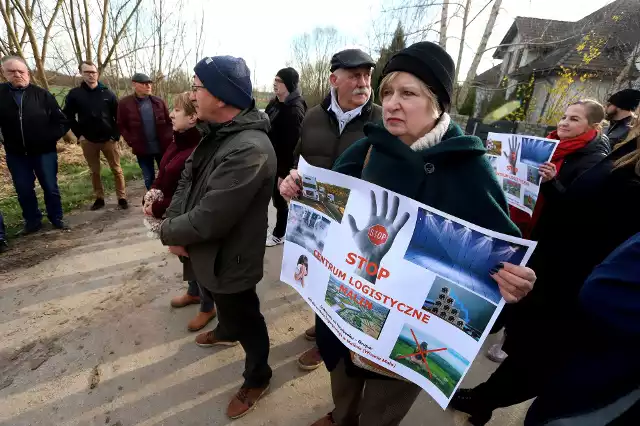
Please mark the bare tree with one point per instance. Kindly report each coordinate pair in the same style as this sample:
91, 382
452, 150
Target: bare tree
29, 16
625, 73
488, 29
312, 57
443, 24
463, 35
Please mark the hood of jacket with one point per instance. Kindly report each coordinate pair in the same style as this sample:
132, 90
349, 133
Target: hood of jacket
248, 119
599, 144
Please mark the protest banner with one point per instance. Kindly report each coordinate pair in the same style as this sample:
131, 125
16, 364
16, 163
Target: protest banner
516, 160
402, 285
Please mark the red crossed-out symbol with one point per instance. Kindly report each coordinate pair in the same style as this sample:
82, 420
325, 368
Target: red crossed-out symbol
422, 353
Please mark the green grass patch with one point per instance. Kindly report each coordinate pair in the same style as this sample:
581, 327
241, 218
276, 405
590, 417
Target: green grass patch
74, 181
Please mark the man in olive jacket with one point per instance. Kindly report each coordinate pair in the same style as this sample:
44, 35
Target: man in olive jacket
217, 219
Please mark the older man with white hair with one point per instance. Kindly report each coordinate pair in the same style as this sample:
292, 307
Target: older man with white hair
31, 123
330, 128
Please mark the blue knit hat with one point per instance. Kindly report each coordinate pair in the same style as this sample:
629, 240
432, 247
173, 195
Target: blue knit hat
227, 78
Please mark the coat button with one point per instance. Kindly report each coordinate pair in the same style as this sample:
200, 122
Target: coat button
429, 168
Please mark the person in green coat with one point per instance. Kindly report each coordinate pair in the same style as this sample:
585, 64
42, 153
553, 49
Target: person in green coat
421, 153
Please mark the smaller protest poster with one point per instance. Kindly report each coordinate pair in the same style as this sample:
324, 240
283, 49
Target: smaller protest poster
516, 160
406, 287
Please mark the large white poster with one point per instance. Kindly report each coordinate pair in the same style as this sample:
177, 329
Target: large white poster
401, 284
516, 160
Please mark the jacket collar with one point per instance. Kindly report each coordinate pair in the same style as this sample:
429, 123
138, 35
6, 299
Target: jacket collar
435, 136
453, 143
187, 139
86, 87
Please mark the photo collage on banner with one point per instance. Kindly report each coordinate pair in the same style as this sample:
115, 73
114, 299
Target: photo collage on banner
405, 287
516, 160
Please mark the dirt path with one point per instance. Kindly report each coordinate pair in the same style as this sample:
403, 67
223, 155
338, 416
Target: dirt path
88, 338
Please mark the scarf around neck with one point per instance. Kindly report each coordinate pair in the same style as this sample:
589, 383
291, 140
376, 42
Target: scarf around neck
343, 117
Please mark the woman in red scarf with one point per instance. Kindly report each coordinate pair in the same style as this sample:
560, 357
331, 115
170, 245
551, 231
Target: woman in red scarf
581, 147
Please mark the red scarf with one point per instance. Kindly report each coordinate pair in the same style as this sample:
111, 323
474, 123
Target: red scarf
525, 222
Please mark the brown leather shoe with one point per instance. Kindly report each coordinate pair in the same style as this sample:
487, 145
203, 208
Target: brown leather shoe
244, 401
201, 320
184, 300
310, 334
325, 421
208, 339
310, 360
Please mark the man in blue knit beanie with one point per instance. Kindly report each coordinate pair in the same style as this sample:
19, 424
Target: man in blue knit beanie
217, 219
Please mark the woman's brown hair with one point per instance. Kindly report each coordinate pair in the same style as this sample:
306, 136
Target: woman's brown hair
633, 158
595, 111
183, 101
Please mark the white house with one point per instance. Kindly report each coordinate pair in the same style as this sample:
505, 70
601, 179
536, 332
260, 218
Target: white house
597, 48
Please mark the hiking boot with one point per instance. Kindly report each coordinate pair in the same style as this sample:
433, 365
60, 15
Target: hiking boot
325, 421
61, 225
97, 204
28, 230
310, 334
466, 401
274, 241
244, 401
201, 320
310, 360
184, 300
3, 246
208, 339
123, 204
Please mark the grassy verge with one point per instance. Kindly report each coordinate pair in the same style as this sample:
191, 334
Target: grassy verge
74, 181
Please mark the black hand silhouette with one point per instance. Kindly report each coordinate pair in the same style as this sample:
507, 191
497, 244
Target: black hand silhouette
375, 251
512, 157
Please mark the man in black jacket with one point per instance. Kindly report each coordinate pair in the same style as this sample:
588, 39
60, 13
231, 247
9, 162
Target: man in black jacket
620, 107
31, 123
93, 109
286, 112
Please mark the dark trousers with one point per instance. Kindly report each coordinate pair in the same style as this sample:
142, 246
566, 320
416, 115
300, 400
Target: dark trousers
2, 230
282, 212
518, 378
206, 298
24, 170
239, 319
370, 402
148, 168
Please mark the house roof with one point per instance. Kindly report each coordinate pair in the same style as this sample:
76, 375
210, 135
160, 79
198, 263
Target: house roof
616, 25
489, 78
534, 30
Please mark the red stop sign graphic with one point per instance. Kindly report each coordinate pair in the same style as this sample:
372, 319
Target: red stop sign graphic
378, 234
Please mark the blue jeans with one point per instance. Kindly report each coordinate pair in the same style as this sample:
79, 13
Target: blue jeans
24, 170
206, 298
2, 231
148, 169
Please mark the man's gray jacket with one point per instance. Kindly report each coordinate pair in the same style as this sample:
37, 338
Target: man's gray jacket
219, 211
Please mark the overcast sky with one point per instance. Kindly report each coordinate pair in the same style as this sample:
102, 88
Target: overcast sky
262, 31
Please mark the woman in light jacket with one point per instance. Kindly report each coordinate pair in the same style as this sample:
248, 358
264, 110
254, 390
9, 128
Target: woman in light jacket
421, 153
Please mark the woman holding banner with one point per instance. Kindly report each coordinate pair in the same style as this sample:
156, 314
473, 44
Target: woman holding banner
596, 214
582, 145
422, 154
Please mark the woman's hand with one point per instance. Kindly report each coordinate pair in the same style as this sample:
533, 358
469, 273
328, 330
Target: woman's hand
548, 171
291, 186
515, 282
147, 209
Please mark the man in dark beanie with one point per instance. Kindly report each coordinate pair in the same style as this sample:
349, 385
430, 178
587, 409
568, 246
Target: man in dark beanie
330, 128
217, 219
286, 112
620, 107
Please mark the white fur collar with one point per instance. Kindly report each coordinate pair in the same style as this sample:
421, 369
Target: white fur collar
434, 136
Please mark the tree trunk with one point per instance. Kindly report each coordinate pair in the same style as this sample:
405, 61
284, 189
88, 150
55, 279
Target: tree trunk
463, 35
88, 31
443, 24
471, 74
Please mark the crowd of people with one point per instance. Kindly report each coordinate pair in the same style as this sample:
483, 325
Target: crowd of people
572, 313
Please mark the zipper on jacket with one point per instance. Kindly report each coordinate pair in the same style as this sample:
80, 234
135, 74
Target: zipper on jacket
24, 145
